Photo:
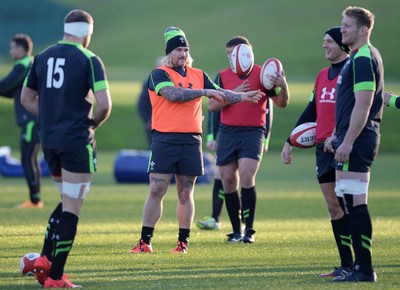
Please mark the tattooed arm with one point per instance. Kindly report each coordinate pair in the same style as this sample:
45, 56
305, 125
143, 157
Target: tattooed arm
175, 94
231, 97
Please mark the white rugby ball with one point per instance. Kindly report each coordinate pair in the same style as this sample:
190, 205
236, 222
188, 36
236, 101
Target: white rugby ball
242, 60
304, 135
271, 66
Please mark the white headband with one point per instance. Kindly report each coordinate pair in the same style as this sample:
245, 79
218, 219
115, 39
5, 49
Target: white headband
79, 29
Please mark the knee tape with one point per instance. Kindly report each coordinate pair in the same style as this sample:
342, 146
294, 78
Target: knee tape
76, 190
59, 187
351, 186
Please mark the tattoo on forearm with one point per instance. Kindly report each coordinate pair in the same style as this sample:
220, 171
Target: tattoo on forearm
174, 94
231, 97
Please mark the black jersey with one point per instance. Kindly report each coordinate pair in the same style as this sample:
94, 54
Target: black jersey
63, 75
363, 71
11, 86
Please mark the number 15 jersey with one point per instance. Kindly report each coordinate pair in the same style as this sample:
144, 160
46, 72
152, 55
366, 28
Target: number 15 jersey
64, 75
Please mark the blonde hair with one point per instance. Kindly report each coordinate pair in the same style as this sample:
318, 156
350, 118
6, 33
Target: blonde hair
363, 16
167, 60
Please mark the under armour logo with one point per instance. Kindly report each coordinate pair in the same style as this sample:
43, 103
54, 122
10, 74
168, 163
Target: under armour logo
190, 85
152, 165
182, 39
331, 94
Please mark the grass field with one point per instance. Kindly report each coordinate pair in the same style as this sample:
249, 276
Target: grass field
294, 242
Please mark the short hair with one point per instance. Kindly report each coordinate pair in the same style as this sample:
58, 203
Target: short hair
78, 15
363, 16
25, 41
237, 40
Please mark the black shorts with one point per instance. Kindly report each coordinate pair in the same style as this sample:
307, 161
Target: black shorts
325, 164
78, 160
361, 157
183, 159
239, 142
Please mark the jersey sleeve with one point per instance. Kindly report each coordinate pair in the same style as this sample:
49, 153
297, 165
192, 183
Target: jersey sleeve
364, 76
12, 81
31, 80
159, 79
99, 78
218, 81
209, 84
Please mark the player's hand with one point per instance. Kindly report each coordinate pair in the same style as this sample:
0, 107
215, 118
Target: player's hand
91, 139
386, 98
216, 95
328, 144
252, 96
279, 80
342, 154
212, 145
243, 87
286, 154
266, 148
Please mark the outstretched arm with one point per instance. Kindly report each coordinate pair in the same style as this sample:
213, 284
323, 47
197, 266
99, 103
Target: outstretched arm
175, 94
230, 97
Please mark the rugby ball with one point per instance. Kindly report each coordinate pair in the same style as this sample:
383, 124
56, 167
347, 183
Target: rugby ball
304, 135
26, 266
242, 60
271, 66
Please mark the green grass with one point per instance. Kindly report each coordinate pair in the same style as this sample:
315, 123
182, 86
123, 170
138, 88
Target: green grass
294, 242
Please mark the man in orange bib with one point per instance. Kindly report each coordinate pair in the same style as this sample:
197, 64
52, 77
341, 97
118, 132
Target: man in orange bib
176, 90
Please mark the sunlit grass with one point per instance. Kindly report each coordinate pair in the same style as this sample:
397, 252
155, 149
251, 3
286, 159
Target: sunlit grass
294, 241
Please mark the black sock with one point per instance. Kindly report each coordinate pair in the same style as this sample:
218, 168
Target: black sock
64, 238
147, 234
342, 236
184, 235
361, 233
51, 228
249, 198
218, 199
34, 194
232, 203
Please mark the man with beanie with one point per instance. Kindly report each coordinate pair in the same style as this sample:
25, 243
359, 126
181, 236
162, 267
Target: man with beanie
355, 142
321, 109
176, 90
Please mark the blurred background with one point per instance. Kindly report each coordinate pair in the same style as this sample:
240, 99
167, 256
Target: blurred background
128, 36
